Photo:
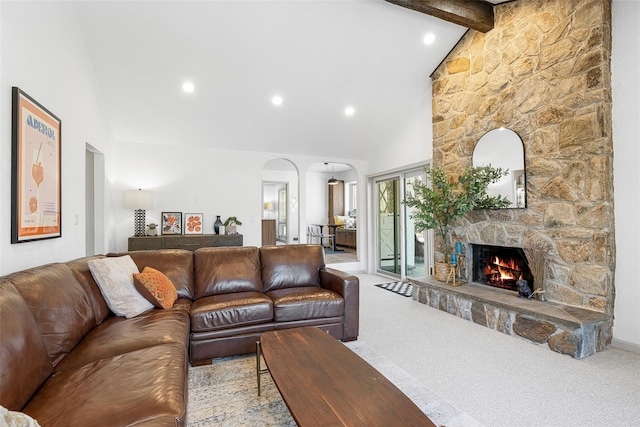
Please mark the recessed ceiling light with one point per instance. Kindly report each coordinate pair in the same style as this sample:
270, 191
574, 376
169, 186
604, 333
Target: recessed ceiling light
188, 87
276, 100
429, 38
349, 111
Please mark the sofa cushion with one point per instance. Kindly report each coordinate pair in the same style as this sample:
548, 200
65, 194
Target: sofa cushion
291, 266
230, 310
123, 390
227, 270
83, 276
305, 302
176, 264
59, 305
155, 287
119, 335
24, 362
115, 278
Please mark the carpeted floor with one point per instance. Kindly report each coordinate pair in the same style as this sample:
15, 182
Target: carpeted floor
499, 380
401, 288
225, 394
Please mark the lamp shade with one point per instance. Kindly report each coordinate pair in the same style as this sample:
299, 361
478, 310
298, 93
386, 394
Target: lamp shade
332, 181
138, 199
268, 206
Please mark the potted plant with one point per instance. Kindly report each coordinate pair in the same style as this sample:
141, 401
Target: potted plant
439, 205
230, 225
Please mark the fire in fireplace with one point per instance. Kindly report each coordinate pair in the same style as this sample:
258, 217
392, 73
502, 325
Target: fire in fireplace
500, 266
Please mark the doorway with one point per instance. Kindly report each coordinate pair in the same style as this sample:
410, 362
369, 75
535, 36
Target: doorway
331, 200
402, 251
279, 203
275, 206
94, 201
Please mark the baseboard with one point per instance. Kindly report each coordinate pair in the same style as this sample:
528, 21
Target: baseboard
625, 345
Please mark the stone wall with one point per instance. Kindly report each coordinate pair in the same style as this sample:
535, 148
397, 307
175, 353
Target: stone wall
544, 72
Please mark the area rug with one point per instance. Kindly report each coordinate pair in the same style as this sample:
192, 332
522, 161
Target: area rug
225, 394
401, 288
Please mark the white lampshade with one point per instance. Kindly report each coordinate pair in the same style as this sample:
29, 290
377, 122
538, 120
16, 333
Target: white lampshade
138, 199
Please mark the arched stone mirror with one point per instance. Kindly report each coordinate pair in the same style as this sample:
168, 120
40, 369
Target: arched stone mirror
503, 148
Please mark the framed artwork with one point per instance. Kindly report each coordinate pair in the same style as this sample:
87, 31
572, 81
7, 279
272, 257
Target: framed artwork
36, 196
171, 222
193, 223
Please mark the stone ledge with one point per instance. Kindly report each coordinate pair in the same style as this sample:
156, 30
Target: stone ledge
575, 331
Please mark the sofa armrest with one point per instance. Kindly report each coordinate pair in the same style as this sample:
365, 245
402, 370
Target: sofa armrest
348, 287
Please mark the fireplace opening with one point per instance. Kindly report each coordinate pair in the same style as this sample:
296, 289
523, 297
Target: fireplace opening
500, 266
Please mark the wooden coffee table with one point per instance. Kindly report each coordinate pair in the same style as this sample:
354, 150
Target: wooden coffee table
323, 383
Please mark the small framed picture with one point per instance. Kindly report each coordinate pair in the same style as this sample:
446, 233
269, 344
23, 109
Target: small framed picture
193, 223
171, 222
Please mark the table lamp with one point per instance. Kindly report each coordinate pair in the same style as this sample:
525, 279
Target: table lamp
268, 206
139, 200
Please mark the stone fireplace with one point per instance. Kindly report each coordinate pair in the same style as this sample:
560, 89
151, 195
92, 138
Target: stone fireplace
544, 72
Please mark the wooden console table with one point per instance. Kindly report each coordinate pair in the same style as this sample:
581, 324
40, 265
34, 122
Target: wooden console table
190, 242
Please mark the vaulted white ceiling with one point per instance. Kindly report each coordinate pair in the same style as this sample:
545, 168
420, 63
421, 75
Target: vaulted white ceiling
320, 56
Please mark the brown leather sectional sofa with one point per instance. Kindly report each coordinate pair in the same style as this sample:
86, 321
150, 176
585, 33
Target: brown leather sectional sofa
66, 360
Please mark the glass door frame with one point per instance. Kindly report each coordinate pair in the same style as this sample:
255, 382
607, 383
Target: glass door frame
398, 240
402, 217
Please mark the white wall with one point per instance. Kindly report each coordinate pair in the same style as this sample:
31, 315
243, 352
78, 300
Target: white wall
207, 181
316, 198
626, 136
211, 181
43, 54
413, 142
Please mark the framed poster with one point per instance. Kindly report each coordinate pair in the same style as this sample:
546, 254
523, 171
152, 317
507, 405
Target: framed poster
193, 223
171, 223
36, 156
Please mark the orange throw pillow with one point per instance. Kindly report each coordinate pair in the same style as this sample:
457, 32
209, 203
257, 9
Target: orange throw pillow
155, 287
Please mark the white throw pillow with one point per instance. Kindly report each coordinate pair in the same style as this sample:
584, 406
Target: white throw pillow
114, 276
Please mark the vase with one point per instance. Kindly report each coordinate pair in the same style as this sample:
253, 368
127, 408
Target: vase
217, 224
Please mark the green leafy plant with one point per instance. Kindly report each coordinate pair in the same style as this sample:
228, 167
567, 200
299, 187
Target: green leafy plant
439, 205
232, 220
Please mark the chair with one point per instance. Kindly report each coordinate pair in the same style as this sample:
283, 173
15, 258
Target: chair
314, 233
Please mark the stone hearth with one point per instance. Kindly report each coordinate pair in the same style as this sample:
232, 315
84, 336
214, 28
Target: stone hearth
565, 329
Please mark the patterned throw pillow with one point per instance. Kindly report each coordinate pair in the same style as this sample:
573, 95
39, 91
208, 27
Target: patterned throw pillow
155, 287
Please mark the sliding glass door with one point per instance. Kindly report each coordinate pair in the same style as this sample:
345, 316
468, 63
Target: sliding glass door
401, 250
389, 226
414, 240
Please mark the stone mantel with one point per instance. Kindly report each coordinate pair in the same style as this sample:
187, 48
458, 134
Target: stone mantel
566, 329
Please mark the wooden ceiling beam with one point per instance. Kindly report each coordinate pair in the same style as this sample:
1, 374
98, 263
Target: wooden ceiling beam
474, 14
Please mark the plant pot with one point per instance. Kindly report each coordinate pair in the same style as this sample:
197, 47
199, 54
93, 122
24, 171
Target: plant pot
441, 271
230, 229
